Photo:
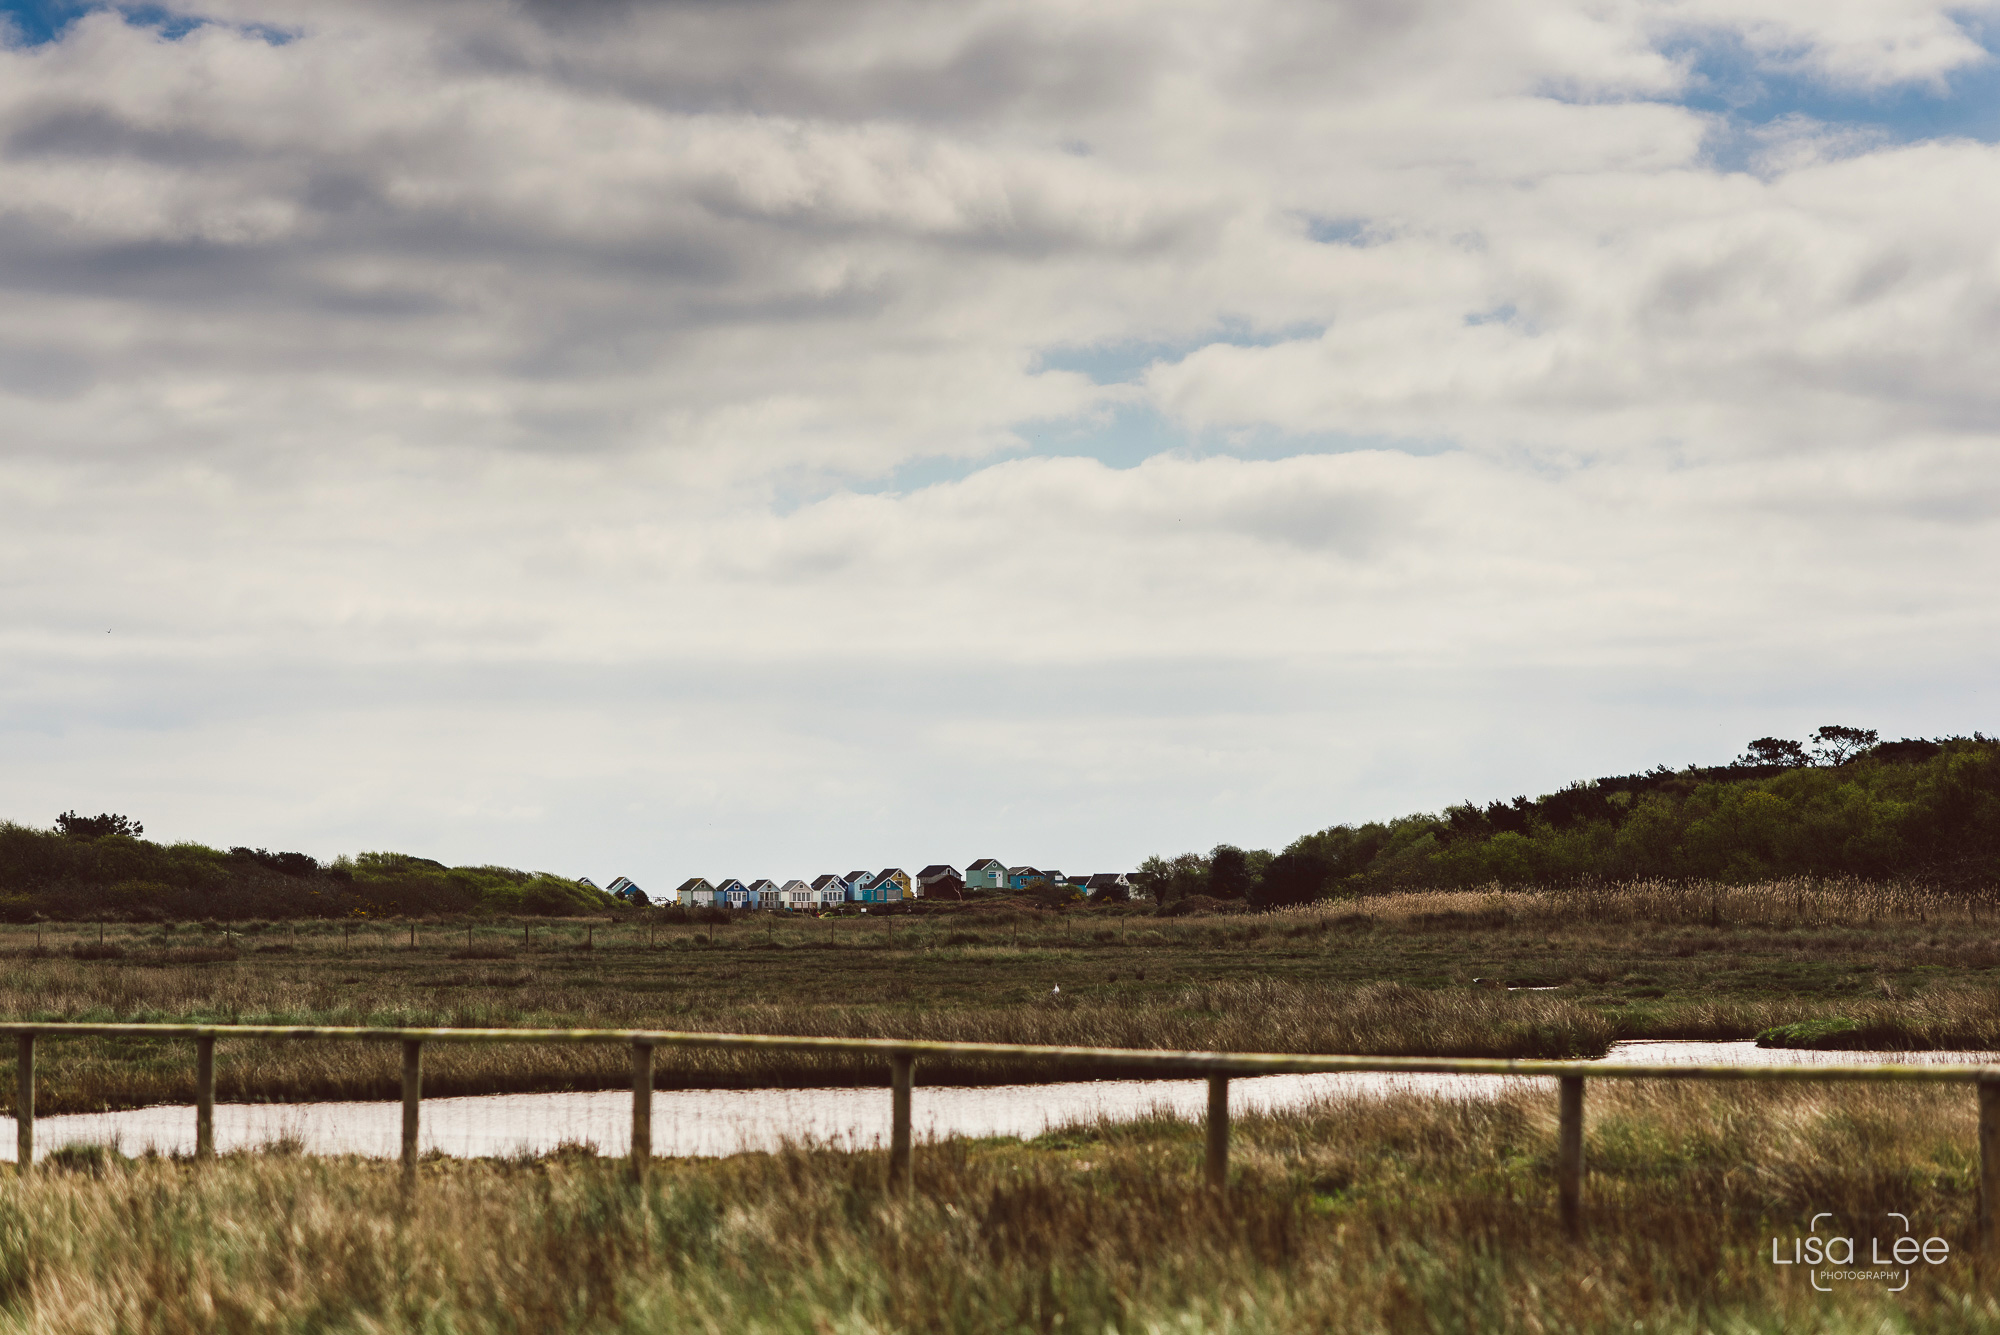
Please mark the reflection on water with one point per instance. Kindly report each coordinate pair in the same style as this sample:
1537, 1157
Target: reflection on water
706, 1122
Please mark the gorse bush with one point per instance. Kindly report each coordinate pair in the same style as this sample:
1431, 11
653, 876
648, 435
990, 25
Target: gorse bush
99, 868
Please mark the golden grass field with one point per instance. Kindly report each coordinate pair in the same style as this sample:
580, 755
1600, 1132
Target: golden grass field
1390, 1215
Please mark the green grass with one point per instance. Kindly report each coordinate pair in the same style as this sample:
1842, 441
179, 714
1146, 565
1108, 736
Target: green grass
1399, 974
1394, 1214
1835, 1031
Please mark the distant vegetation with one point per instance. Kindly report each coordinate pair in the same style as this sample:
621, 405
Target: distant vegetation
1843, 804
100, 867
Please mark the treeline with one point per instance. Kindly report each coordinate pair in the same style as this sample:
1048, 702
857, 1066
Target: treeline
1848, 804
100, 867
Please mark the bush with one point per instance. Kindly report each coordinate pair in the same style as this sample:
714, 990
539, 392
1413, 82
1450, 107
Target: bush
1834, 1033
1193, 906
85, 1160
72, 826
117, 876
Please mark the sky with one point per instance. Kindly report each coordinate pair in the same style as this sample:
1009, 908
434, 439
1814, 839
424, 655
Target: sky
769, 438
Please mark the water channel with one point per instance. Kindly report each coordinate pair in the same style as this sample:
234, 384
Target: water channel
711, 1122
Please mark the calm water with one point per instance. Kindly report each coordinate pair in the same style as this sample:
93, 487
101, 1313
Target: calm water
724, 1121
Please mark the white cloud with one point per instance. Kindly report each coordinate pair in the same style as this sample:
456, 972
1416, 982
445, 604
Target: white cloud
438, 428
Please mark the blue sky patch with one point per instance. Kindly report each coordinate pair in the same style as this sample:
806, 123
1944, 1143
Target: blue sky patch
1339, 231
1498, 315
1750, 93
1122, 362
1129, 435
38, 22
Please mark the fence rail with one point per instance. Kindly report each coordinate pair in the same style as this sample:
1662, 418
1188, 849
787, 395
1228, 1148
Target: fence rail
901, 1055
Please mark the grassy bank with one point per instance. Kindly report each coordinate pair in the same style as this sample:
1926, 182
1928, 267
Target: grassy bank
1398, 1214
84, 1075
1416, 974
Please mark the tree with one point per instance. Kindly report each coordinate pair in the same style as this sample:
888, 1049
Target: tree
1164, 880
1835, 745
1229, 873
1775, 751
73, 826
1153, 878
1299, 875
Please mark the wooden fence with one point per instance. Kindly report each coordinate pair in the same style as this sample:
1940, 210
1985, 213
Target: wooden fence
901, 1057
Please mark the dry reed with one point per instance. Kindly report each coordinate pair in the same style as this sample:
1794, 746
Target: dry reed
1791, 902
1256, 1016
1909, 965
1400, 1214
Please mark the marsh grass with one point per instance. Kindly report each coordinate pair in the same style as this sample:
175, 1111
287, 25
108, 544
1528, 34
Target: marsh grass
1790, 902
1252, 1015
1400, 974
1398, 1214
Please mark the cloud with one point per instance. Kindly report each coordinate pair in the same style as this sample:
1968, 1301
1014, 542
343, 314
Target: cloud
456, 424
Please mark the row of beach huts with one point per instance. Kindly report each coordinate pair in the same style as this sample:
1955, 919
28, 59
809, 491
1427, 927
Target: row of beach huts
891, 885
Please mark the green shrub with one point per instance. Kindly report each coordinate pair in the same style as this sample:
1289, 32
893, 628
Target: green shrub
119, 877
1835, 1032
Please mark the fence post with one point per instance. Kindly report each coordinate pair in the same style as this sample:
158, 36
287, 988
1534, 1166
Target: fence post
413, 1093
1989, 1176
1569, 1155
642, 1109
901, 1075
24, 1107
204, 1098
1216, 1161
